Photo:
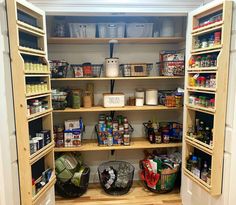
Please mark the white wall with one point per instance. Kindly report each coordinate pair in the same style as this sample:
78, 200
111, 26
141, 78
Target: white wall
191, 193
9, 183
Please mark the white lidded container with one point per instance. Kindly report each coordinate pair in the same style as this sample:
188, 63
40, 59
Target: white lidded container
112, 67
151, 97
167, 27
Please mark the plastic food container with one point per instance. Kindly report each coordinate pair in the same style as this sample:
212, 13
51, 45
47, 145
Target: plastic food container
111, 30
139, 30
167, 28
82, 30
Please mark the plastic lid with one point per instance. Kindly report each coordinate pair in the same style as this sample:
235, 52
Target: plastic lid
194, 158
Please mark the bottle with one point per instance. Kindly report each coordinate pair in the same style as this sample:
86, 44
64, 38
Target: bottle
211, 138
207, 135
200, 134
189, 162
194, 164
204, 172
196, 125
198, 168
209, 177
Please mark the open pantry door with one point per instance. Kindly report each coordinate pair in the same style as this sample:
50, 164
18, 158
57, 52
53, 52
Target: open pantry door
207, 62
32, 84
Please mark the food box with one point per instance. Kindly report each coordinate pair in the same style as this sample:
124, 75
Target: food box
72, 138
72, 124
113, 100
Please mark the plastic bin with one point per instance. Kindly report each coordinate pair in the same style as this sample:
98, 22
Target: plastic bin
116, 177
139, 30
111, 30
82, 30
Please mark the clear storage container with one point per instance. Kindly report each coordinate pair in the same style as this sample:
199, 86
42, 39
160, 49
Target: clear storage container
111, 30
139, 30
82, 30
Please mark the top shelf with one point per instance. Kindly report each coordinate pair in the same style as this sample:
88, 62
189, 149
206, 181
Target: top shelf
160, 40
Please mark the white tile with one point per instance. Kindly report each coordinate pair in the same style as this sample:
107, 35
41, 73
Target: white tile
234, 19
15, 179
3, 21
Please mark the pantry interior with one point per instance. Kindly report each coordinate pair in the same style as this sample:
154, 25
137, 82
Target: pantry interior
136, 50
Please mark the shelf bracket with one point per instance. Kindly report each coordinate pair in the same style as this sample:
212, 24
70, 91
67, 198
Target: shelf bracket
112, 85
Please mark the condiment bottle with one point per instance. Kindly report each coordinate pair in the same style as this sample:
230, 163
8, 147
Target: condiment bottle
217, 38
209, 177
204, 43
204, 172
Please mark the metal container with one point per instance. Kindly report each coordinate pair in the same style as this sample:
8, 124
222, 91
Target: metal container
112, 67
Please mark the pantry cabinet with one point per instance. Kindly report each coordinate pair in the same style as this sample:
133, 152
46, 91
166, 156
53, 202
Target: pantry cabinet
31, 89
206, 93
31, 47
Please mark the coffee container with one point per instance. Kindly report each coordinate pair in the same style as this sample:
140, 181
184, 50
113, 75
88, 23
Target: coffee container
151, 97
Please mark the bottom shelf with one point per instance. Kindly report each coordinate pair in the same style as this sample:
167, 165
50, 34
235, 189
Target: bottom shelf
44, 189
137, 195
200, 182
136, 143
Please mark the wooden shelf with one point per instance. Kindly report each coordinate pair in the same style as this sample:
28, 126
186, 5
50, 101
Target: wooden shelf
41, 73
136, 143
40, 96
30, 27
36, 95
138, 194
200, 91
192, 88
31, 51
41, 193
202, 69
37, 75
41, 153
126, 108
201, 109
205, 51
200, 50
120, 78
42, 114
206, 28
157, 40
199, 145
197, 180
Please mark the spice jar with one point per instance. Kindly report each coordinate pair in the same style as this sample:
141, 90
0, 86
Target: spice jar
213, 81
192, 81
87, 99
76, 99
212, 102
202, 81
197, 44
198, 62
178, 100
211, 41
204, 43
197, 101
217, 38
191, 100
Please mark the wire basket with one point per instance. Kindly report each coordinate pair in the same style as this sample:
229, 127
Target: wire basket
69, 190
116, 177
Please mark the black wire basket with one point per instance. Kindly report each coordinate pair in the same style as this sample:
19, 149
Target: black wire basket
116, 177
69, 190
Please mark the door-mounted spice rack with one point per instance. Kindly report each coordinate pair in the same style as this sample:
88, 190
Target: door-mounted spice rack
206, 94
32, 100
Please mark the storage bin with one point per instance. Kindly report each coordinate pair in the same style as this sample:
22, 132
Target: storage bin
139, 30
82, 30
116, 177
111, 30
